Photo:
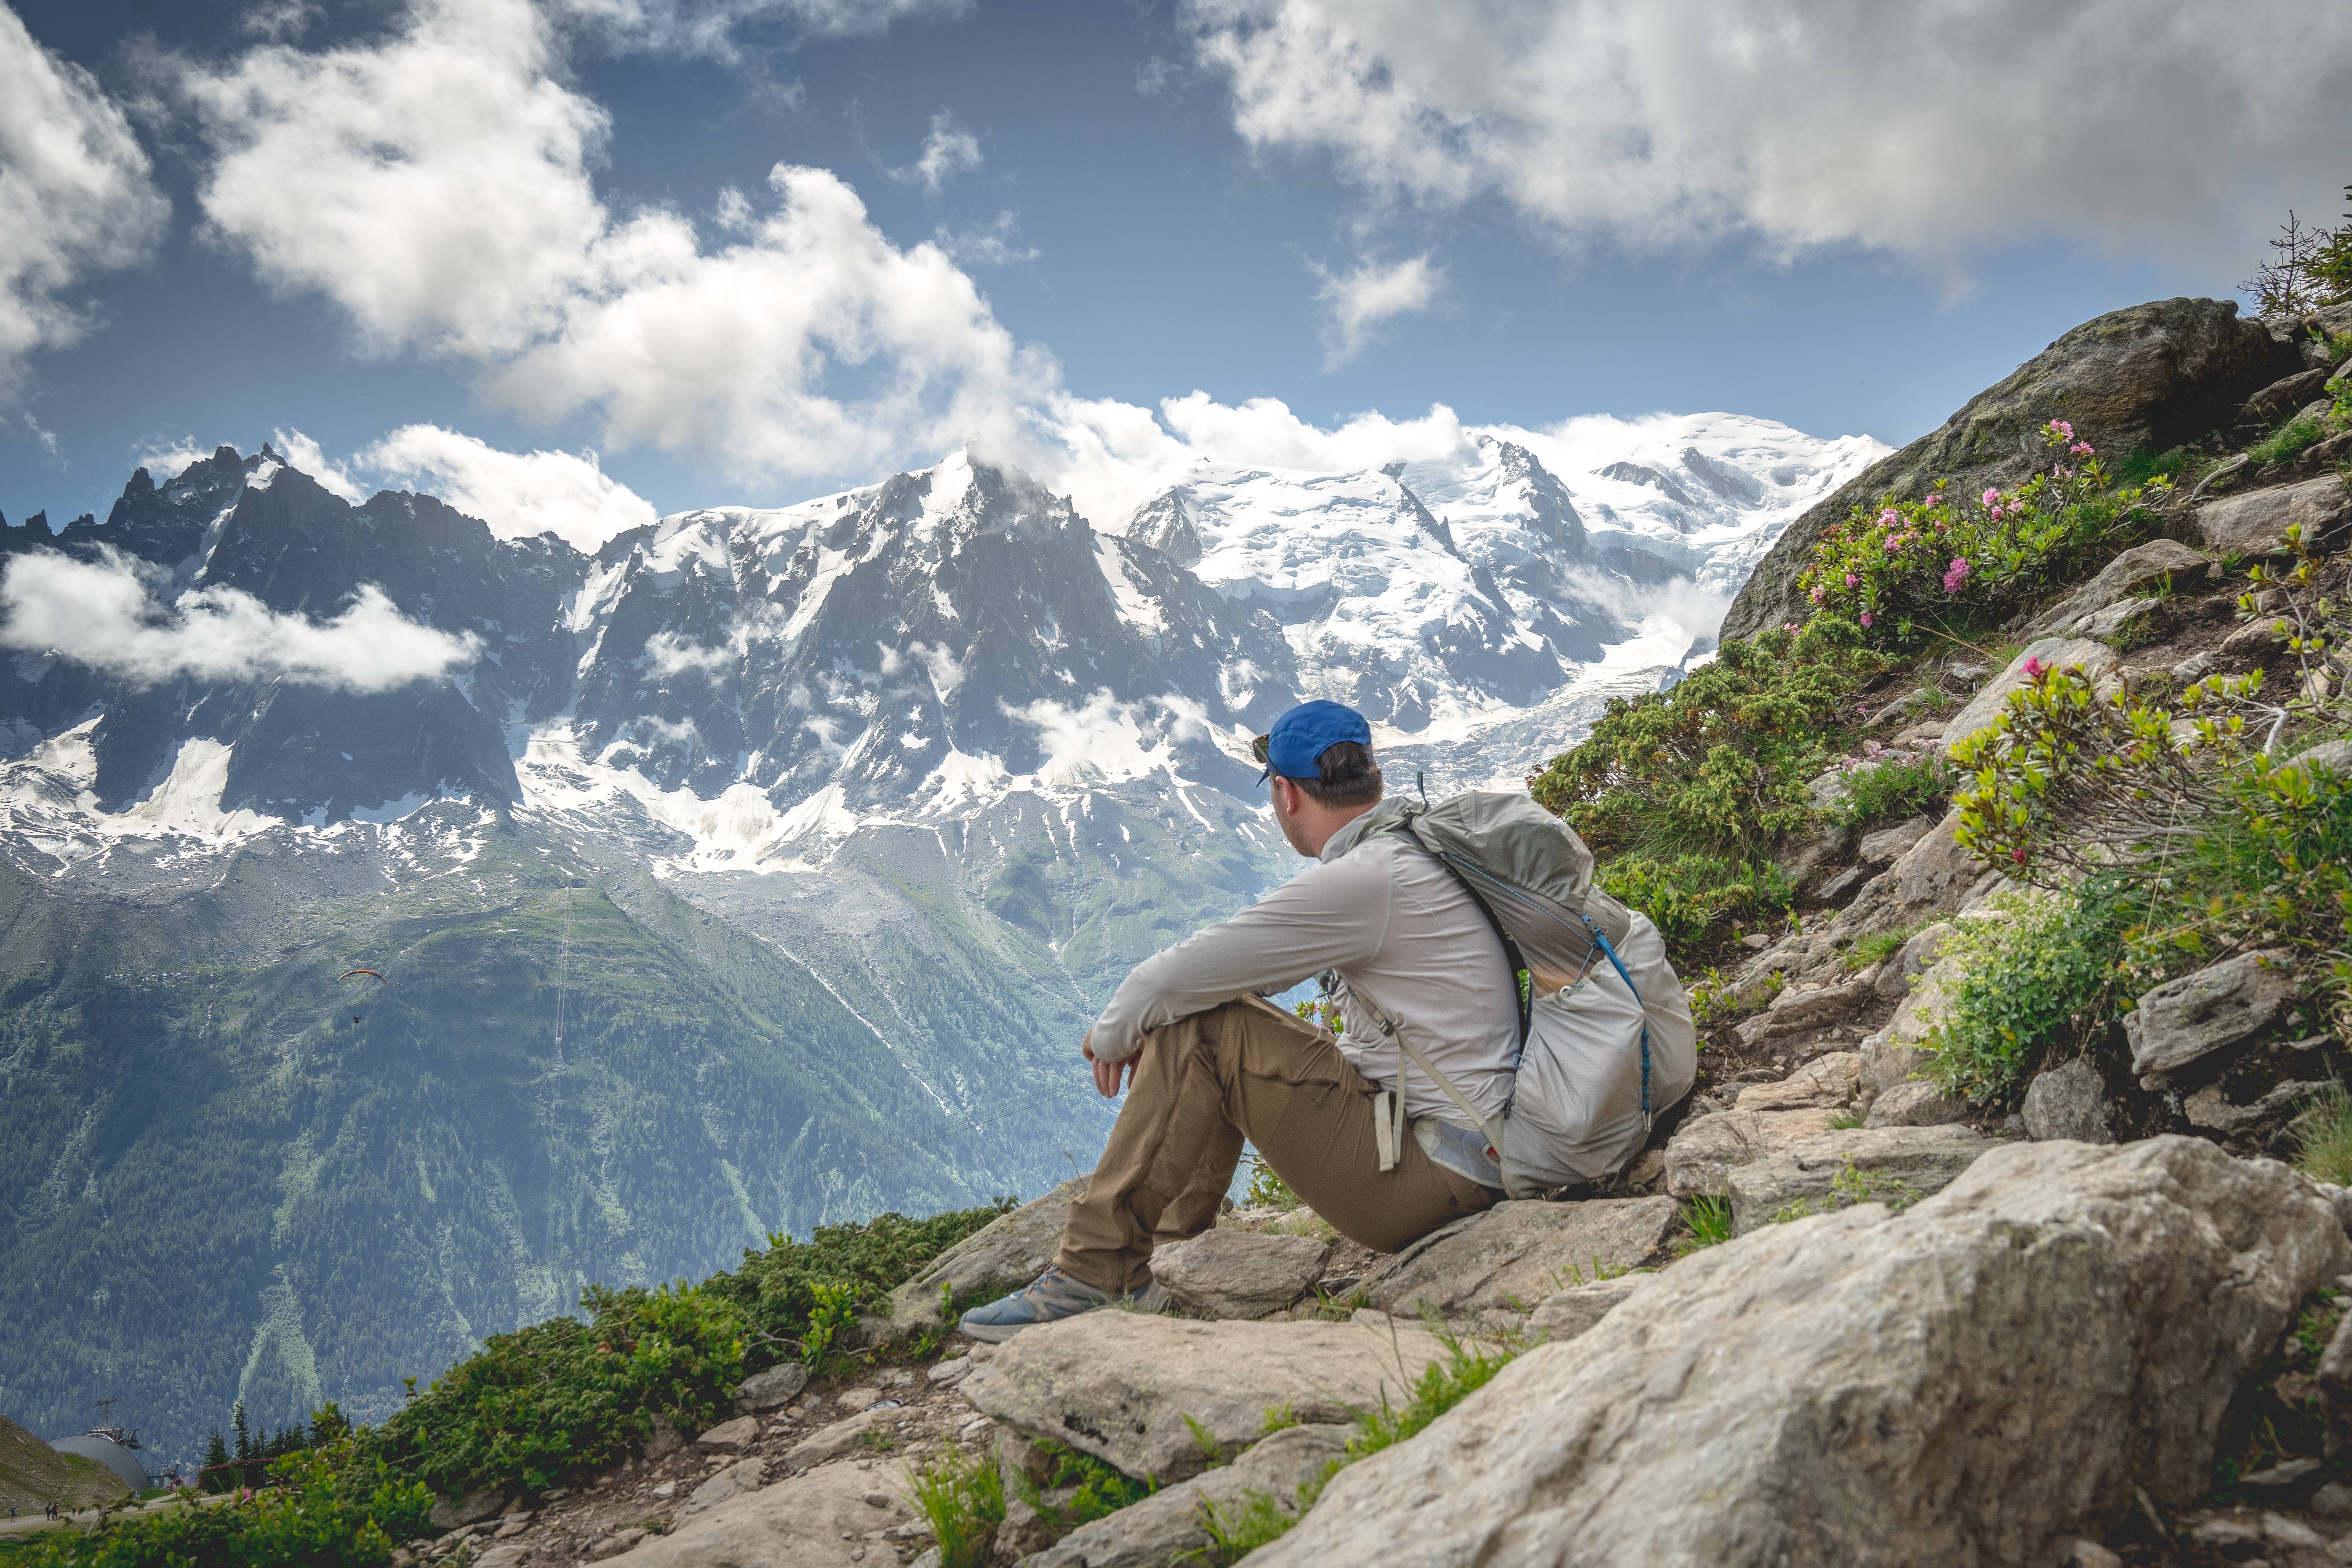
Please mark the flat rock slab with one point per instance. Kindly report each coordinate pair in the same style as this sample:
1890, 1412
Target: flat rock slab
2140, 567
2184, 1021
1703, 1151
1887, 1165
1515, 1254
1165, 1527
2091, 659
1832, 1078
1234, 1273
2256, 524
777, 1385
1915, 1102
1580, 1308
803, 1521
1963, 1384
1120, 1384
1003, 1255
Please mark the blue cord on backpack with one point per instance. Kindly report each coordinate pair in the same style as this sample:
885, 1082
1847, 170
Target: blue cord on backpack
1647, 1120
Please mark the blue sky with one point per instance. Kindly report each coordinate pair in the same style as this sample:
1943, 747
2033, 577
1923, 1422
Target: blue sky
1136, 202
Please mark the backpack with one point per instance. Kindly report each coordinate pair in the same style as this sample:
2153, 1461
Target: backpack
1606, 1039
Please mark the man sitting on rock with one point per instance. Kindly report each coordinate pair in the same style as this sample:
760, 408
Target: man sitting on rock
1208, 1063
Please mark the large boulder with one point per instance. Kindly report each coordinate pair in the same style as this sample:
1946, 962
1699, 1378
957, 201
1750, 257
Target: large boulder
2183, 1021
1580, 1308
1003, 1255
2151, 376
1120, 1385
1511, 1256
1893, 1165
820, 1519
2143, 566
1234, 1273
1966, 1383
1167, 1527
2069, 1102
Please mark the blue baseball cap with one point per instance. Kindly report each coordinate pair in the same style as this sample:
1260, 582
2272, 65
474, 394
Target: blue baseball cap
1294, 746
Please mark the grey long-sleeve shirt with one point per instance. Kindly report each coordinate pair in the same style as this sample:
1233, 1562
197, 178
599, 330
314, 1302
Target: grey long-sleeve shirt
1402, 933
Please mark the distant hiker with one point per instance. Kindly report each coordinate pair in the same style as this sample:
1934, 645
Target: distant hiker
1419, 968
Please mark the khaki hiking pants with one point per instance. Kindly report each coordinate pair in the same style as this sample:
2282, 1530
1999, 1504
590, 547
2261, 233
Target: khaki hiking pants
1202, 1084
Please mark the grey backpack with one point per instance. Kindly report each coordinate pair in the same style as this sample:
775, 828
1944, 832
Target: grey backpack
1606, 1039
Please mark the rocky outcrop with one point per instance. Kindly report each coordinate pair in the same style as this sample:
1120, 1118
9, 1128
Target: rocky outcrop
1972, 1382
2256, 524
1121, 1385
1703, 1151
2079, 656
820, 1519
2151, 376
2157, 563
1513, 1256
2069, 1102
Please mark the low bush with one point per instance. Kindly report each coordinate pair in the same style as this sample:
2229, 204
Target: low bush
798, 1299
2290, 440
1693, 898
1948, 558
1894, 785
1718, 764
2039, 970
329, 1508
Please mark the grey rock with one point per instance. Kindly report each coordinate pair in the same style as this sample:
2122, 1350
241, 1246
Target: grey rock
1704, 1150
1233, 1274
2333, 1501
776, 1386
730, 1436
820, 1519
949, 1373
2256, 523
1513, 1256
742, 1475
1851, 1389
1916, 1103
1829, 1080
1935, 878
1897, 1166
2153, 375
1119, 1385
1004, 1255
2141, 567
2287, 392
489, 1502
2089, 659
1801, 1009
1845, 882
2091, 1554
1024, 1531
2209, 1107
832, 1442
1888, 845
1568, 1313
1165, 1527
2069, 1102
511, 1555
2124, 615
2184, 1021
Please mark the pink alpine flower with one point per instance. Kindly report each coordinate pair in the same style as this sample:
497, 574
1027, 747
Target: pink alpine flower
1852, 581
1889, 517
1992, 498
1955, 573
2033, 668
2063, 428
1818, 593
1865, 617
2082, 448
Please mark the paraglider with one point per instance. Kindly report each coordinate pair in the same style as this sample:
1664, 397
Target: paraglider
375, 974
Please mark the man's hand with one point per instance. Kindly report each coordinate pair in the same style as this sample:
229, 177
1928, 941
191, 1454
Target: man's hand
1107, 1074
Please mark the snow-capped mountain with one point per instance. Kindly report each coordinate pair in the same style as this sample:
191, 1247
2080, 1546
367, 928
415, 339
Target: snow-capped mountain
763, 868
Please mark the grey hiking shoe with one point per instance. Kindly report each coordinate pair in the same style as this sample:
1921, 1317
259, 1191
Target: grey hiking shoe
1047, 1298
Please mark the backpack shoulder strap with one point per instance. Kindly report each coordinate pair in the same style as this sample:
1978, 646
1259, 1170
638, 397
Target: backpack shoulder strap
1522, 978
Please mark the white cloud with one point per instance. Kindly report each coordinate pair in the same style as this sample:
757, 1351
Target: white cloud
302, 452
436, 185
948, 151
1926, 130
107, 614
164, 456
518, 494
996, 243
708, 27
76, 193
1357, 303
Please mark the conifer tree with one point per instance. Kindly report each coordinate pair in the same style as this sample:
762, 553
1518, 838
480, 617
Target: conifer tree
216, 1478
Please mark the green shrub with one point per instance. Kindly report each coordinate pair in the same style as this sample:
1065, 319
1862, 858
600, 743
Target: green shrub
329, 1508
797, 1298
1689, 898
1101, 1489
1718, 764
2041, 972
1267, 1189
962, 1497
1896, 787
1949, 557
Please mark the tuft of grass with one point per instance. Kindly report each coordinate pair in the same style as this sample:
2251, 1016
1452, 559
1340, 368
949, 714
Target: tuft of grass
1877, 947
1100, 1489
962, 1496
1206, 1441
1709, 1222
2141, 466
1258, 1520
2322, 1137
2289, 441
1850, 1186
1846, 1121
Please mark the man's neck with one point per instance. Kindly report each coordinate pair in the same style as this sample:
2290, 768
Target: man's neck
1328, 823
